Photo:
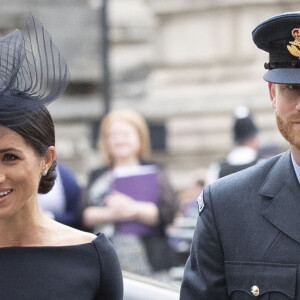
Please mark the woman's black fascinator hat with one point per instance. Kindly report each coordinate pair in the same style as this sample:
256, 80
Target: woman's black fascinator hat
32, 72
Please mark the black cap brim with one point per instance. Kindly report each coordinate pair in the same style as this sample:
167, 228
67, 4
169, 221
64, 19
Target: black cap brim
283, 76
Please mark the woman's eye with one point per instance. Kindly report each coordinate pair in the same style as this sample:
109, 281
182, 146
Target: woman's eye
10, 157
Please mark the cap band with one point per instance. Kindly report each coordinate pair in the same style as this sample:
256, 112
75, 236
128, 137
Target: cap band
282, 65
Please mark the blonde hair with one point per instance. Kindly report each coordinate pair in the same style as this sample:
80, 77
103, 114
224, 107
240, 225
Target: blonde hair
134, 119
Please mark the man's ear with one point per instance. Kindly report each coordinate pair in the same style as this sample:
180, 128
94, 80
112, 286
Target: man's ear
272, 93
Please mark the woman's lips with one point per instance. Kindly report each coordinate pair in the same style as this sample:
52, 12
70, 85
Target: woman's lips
4, 193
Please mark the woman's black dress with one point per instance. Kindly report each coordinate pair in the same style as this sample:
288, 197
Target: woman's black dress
88, 271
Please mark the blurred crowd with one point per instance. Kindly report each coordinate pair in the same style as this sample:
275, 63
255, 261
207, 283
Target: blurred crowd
130, 198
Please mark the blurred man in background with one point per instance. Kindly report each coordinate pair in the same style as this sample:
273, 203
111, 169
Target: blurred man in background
245, 151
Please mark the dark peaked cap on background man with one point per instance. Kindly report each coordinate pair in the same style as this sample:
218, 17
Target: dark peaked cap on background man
244, 127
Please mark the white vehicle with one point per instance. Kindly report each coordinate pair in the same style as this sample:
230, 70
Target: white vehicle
143, 288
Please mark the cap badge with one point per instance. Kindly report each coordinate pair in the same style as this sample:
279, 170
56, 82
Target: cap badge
294, 48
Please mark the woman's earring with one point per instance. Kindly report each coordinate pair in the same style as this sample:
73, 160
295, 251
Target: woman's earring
45, 172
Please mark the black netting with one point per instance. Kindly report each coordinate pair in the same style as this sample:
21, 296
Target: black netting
32, 72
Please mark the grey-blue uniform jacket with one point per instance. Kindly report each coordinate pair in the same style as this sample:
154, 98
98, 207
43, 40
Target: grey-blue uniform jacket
246, 243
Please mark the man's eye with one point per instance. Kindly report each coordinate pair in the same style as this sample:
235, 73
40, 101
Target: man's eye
10, 157
293, 87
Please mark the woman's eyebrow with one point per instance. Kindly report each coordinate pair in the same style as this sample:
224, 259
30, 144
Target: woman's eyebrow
9, 150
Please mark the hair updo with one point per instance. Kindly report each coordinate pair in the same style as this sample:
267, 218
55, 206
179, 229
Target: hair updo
38, 131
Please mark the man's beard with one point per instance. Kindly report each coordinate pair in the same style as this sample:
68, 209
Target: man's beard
288, 130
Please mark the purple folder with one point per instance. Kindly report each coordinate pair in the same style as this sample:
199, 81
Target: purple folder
141, 184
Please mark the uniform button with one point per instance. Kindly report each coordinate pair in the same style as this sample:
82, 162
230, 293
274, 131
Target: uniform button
255, 290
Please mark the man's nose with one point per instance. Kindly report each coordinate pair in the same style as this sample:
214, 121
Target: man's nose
298, 105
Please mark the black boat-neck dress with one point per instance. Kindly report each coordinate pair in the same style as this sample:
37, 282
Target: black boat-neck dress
88, 271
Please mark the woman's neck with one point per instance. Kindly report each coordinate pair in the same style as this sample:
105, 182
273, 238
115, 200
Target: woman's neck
126, 162
22, 229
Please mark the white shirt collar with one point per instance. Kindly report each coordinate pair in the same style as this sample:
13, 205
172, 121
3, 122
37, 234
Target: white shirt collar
241, 155
296, 167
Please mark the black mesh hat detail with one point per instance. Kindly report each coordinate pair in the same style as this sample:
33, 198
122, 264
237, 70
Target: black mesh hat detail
32, 72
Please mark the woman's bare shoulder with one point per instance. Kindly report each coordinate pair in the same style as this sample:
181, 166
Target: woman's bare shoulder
63, 235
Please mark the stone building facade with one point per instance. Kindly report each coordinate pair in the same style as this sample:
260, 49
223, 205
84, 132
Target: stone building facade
185, 65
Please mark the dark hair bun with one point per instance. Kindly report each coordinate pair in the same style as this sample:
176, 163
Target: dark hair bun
47, 182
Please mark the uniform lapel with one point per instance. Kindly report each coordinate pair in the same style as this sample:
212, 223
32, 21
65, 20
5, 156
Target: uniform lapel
281, 202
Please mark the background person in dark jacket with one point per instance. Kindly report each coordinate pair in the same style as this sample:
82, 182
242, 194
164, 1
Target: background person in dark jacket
247, 238
62, 202
245, 151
